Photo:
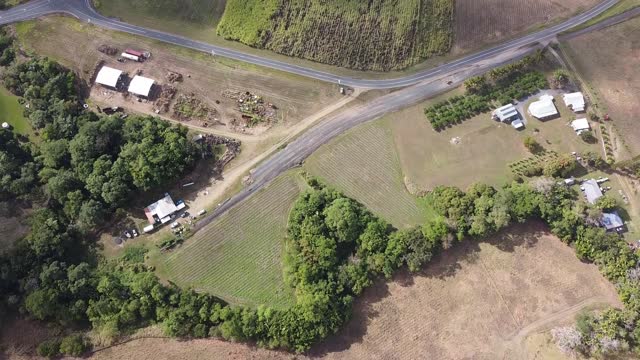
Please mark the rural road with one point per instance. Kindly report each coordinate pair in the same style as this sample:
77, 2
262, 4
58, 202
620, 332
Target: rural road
420, 85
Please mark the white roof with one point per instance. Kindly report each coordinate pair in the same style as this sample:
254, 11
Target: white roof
506, 112
160, 209
5, 125
580, 125
543, 108
141, 85
574, 100
592, 191
108, 76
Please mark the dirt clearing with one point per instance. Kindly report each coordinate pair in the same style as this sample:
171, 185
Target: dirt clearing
481, 22
608, 60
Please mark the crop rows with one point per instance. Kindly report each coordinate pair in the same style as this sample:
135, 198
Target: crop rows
364, 165
239, 257
365, 35
534, 165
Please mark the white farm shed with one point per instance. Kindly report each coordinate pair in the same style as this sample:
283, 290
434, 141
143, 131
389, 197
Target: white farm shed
580, 125
108, 76
141, 86
506, 113
543, 108
574, 101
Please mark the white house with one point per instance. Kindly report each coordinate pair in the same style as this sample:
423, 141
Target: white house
591, 190
544, 108
108, 77
574, 101
161, 210
141, 86
580, 125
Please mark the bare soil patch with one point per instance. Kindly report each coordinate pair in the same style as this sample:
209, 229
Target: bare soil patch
608, 60
480, 22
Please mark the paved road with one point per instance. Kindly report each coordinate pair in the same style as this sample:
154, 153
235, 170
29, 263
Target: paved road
83, 10
419, 86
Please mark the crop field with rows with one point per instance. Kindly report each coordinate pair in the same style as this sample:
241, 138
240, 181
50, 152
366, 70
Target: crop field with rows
239, 256
480, 22
364, 165
363, 35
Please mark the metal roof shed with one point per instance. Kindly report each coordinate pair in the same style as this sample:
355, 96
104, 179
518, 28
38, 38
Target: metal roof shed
575, 101
612, 221
506, 113
108, 76
141, 86
543, 108
580, 125
592, 190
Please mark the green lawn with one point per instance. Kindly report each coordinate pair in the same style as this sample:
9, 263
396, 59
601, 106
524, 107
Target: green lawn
363, 164
239, 256
12, 112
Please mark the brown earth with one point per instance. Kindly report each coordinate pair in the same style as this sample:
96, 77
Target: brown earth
608, 60
478, 300
480, 22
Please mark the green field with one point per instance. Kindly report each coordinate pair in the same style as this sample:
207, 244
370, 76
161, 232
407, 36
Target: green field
363, 35
364, 165
239, 256
12, 112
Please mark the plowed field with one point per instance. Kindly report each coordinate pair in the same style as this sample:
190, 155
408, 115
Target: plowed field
479, 22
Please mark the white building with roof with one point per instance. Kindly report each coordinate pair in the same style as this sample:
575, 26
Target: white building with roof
506, 113
574, 101
141, 86
161, 210
108, 77
580, 125
544, 108
591, 190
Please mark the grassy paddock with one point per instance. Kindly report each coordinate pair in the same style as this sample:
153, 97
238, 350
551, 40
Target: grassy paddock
364, 165
239, 256
12, 112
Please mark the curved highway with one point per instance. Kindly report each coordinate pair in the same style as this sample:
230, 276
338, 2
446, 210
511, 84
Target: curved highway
417, 87
83, 10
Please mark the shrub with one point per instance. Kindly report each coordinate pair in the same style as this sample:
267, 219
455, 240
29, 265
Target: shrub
73, 345
532, 145
49, 348
588, 137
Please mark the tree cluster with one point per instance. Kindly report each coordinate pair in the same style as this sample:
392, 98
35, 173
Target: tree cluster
514, 81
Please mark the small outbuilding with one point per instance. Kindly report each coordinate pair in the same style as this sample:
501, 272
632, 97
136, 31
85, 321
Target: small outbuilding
612, 221
109, 77
141, 86
591, 190
517, 124
580, 125
544, 108
506, 113
574, 101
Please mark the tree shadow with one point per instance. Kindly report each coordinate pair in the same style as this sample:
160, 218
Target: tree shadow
443, 266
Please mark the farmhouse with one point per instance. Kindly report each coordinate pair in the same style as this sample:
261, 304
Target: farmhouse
574, 101
109, 77
580, 125
141, 86
612, 221
161, 210
544, 108
591, 190
506, 113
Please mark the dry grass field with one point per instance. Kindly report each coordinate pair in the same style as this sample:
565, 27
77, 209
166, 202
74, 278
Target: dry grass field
478, 301
608, 60
488, 300
480, 22
478, 150
364, 165
75, 45
239, 256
